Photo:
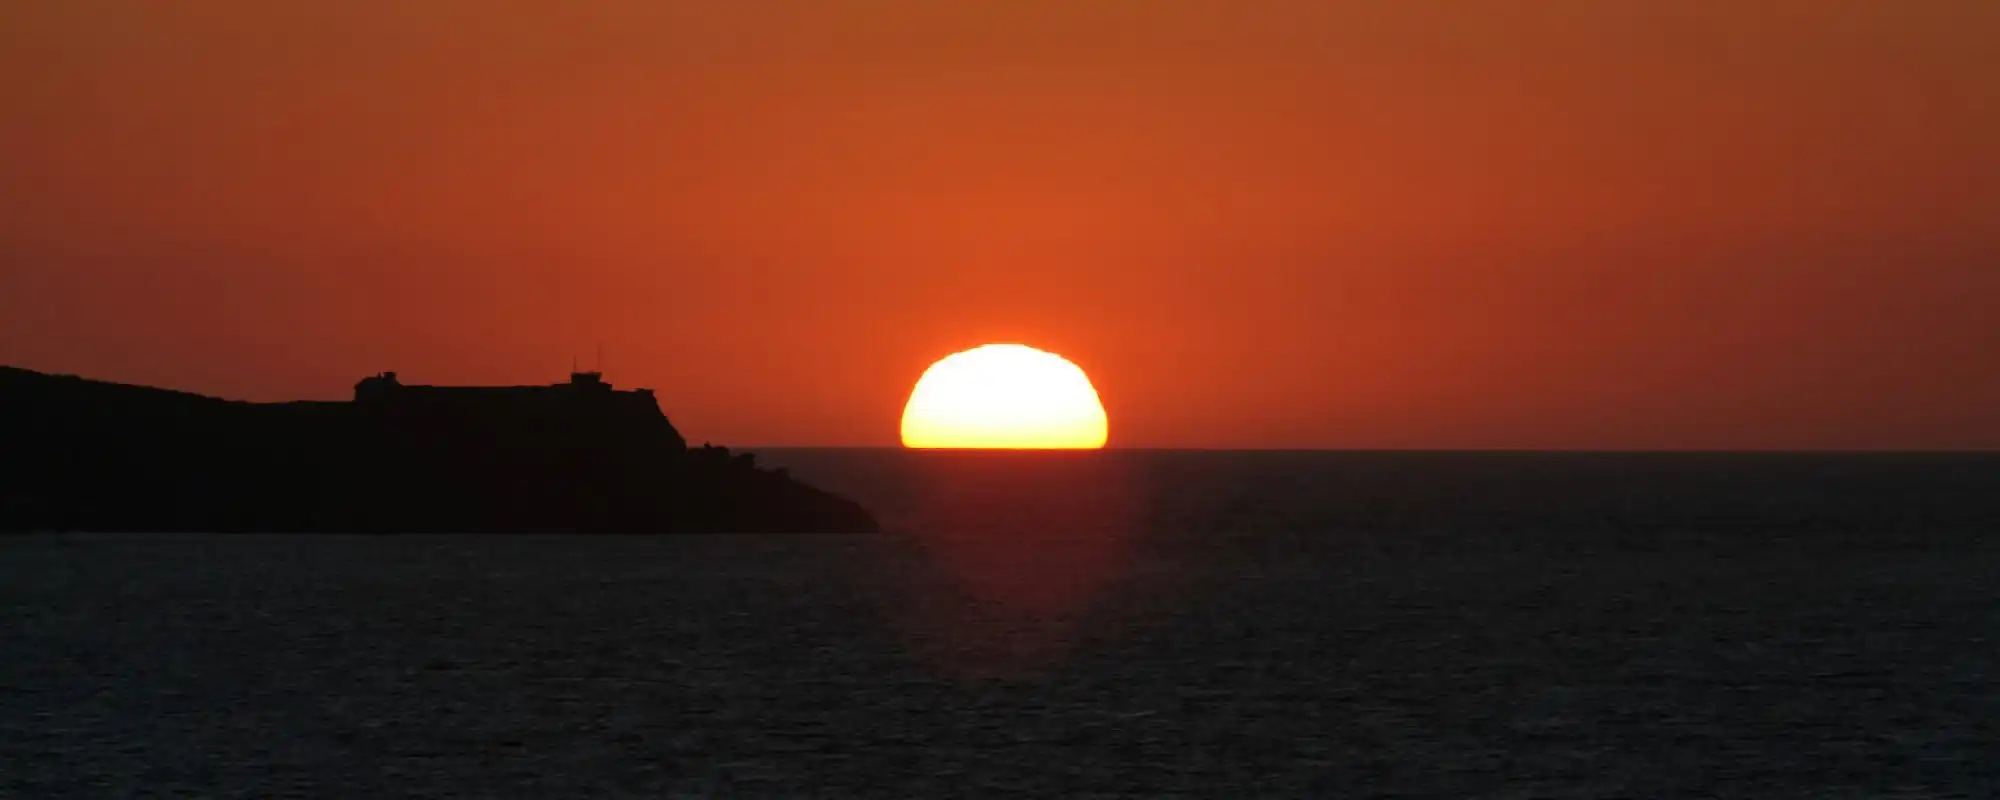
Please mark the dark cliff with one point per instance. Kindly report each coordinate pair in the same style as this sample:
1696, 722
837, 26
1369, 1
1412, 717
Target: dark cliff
77, 454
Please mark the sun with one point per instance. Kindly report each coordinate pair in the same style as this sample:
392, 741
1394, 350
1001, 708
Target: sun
1004, 396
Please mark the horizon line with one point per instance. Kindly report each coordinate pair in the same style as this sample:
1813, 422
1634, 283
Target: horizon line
1970, 451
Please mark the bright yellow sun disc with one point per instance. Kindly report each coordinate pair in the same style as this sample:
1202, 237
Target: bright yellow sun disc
1004, 396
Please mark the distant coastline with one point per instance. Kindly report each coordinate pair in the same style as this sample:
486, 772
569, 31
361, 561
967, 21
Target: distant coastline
575, 457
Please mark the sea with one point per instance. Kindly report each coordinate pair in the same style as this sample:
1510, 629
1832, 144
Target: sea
1110, 624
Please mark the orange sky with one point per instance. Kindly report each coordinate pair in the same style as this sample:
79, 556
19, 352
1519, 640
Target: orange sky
1570, 223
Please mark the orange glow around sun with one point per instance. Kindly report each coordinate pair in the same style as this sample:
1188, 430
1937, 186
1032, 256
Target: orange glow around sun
1004, 396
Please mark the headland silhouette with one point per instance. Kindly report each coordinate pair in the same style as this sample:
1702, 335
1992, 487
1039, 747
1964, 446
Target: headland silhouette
581, 456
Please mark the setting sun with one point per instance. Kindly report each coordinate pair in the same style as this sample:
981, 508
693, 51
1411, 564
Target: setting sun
1004, 396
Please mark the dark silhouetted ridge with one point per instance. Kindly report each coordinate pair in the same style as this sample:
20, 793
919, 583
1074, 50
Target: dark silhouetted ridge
79, 454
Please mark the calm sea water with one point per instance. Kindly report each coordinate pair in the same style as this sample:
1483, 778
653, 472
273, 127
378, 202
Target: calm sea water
1137, 623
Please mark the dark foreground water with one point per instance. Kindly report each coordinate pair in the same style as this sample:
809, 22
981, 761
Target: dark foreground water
1202, 624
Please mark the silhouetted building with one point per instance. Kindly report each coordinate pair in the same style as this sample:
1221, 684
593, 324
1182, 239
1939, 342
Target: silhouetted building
376, 387
385, 387
586, 399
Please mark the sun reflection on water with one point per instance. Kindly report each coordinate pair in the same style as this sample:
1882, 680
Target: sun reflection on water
1020, 544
